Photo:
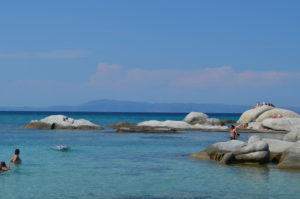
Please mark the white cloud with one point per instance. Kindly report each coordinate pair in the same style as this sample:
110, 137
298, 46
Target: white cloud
58, 54
119, 78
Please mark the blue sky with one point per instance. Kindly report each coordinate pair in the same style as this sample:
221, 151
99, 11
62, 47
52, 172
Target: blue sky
70, 52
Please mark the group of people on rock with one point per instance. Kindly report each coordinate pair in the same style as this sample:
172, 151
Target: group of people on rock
262, 104
14, 159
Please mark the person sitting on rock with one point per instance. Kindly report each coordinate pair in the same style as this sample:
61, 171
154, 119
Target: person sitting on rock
16, 158
233, 132
3, 167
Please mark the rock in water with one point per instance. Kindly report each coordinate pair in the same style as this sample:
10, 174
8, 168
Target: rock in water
61, 122
258, 156
61, 148
276, 112
196, 117
252, 114
290, 159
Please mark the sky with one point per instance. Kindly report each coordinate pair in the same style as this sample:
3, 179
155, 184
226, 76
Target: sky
67, 52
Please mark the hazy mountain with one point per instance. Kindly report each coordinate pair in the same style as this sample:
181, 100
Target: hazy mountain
107, 105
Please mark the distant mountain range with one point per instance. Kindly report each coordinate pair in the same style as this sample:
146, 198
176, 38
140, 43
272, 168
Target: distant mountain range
107, 105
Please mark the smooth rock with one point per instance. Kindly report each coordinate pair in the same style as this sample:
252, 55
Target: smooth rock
258, 156
61, 122
255, 125
254, 138
181, 125
232, 145
253, 147
227, 158
252, 114
292, 136
285, 123
213, 121
290, 159
276, 112
196, 117
277, 146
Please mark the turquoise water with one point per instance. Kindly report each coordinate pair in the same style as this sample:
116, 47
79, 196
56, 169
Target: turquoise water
102, 164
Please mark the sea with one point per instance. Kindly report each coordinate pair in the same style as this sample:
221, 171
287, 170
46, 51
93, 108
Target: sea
103, 164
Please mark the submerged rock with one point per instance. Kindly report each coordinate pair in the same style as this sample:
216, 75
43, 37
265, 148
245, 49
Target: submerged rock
61, 122
143, 129
121, 124
61, 148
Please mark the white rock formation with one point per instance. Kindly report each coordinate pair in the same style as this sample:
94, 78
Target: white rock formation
196, 117
276, 112
66, 121
61, 122
180, 125
252, 114
254, 125
292, 136
253, 147
232, 145
285, 123
277, 146
213, 121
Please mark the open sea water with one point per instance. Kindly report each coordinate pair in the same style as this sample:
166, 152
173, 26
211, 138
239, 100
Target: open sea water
106, 165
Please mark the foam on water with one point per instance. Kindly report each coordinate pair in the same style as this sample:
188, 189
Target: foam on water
127, 166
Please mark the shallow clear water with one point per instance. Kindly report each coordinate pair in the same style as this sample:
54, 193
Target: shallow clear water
102, 164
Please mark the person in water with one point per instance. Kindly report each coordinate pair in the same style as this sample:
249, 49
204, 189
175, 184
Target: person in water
16, 158
233, 132
3, 167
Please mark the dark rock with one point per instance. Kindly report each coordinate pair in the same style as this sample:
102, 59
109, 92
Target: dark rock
146, 129
122, 124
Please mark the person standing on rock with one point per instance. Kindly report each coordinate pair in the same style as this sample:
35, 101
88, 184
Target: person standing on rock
233, 132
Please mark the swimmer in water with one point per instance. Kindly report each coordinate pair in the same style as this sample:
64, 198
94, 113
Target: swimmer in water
3, 167
16, 158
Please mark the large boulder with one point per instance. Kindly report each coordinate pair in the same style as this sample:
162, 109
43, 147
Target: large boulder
219, 150
284, 123
292, 136
253, 147
257, 157
235, 151
213, 121
277, 146
276, 112
197, 117
252, 114
232, 145
61, 122
290, 159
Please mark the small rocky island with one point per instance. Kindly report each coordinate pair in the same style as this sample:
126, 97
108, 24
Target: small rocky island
62, 122
194, 121
281, 154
